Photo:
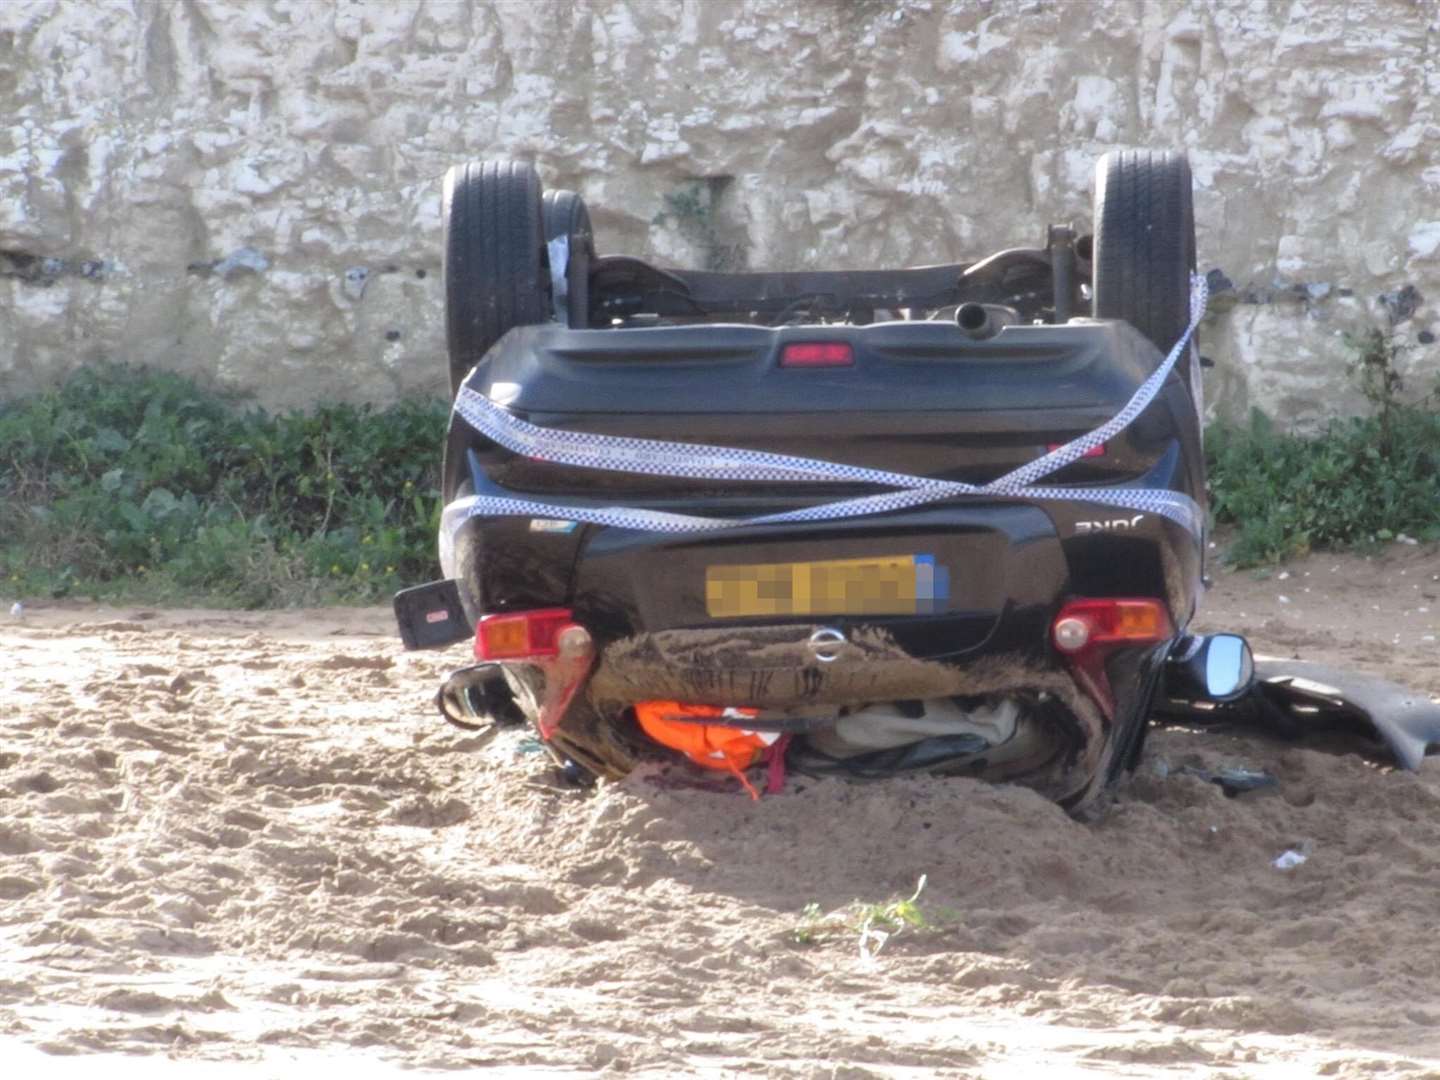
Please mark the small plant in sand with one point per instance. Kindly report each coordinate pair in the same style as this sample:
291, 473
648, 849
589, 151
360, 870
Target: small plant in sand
872, 924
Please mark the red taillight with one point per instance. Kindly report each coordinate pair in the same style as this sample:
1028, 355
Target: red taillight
1085, 630
1084, 624
817, 354
1094, 451
524, 635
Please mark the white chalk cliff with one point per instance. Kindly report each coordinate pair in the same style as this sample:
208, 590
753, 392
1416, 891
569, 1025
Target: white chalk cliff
249, 190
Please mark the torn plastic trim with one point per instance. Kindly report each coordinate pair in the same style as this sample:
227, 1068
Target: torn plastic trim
1407, 721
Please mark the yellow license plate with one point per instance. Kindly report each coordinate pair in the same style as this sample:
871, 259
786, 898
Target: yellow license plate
888, 585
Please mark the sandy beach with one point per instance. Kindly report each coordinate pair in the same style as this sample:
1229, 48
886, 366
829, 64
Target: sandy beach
237, 839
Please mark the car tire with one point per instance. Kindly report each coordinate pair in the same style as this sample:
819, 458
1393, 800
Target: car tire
1144, 248
567, 219
496, 271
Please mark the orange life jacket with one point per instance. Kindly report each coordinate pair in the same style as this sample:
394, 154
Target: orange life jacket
712, 746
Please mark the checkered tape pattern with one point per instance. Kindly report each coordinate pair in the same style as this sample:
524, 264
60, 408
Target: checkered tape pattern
694, 461
700, 462
1076, 448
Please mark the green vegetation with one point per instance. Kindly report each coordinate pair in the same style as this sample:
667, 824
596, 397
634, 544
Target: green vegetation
1288, 494
1361, 481
138, 485
693, 209
872, 925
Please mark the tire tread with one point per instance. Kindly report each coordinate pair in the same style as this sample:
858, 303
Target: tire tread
495, 267
565, 214
1144, 242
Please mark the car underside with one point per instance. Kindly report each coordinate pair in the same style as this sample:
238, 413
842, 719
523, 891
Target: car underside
947, 518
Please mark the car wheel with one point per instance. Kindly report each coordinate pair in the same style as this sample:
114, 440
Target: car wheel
496, 270
567, 220
1144, 242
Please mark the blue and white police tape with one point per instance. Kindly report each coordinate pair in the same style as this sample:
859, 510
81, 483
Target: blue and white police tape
651, 457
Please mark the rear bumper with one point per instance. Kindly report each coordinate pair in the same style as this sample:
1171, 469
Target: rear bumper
776, 667
640, 598
1009, 567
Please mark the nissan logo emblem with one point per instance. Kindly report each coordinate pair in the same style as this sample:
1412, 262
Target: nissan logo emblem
826, 644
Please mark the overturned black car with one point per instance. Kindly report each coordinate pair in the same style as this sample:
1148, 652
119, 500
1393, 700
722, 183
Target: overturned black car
948, 518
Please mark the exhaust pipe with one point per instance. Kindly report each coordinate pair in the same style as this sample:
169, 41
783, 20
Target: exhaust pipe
980, 322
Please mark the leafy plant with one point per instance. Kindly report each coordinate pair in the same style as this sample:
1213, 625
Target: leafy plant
872, 924
1287, 494
1373, 368
811, 926
129, 482
692, 208
1360, 481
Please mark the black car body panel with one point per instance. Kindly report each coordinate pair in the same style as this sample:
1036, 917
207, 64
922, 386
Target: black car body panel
972, 372
970, 409
931, 404
970, 414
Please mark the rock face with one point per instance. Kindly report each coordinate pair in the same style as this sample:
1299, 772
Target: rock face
249, 191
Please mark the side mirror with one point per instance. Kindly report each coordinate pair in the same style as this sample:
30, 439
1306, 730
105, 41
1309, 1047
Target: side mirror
1210, 667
